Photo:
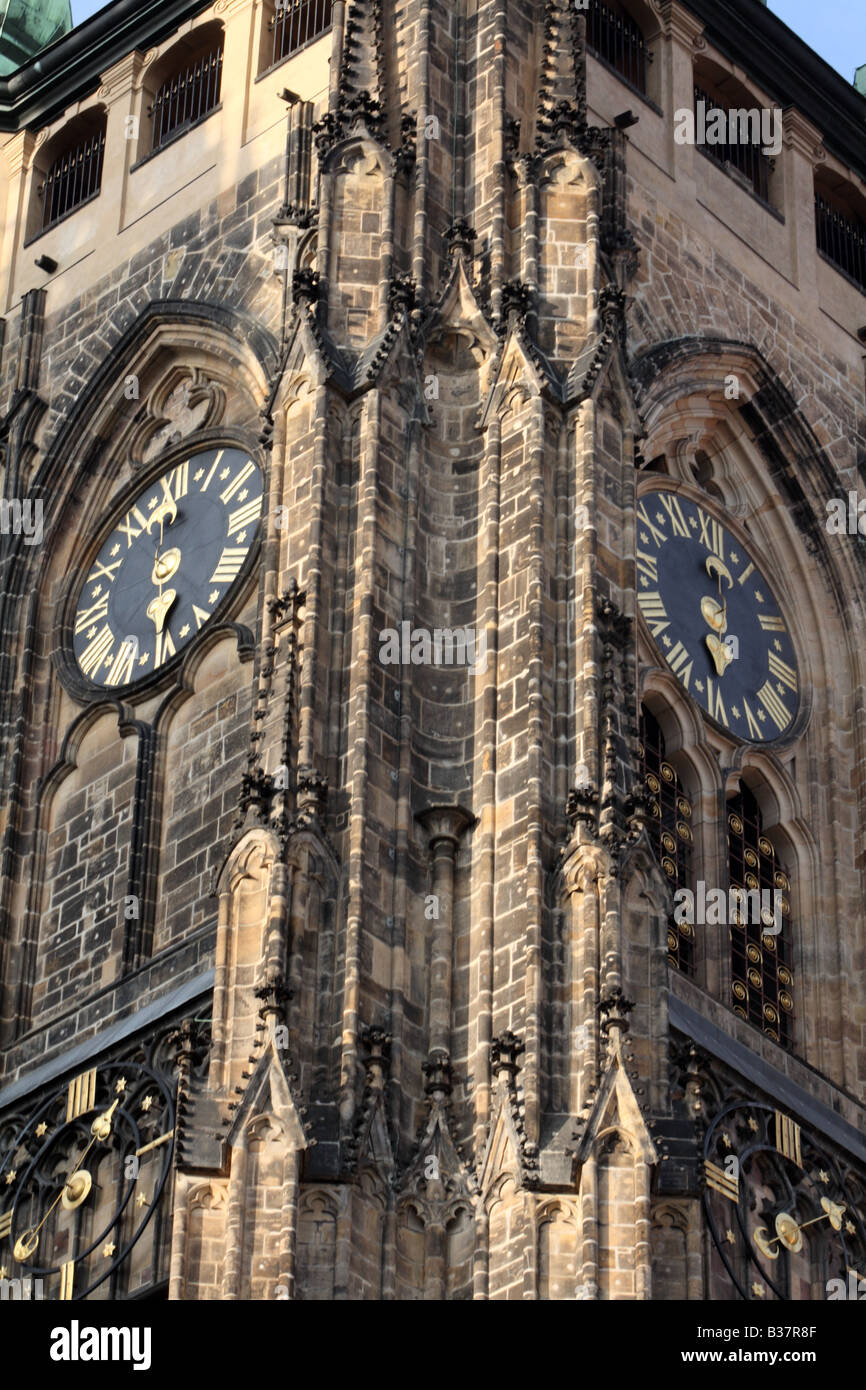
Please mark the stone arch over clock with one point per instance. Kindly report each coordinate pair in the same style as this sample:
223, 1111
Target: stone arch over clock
723, 432
99, 786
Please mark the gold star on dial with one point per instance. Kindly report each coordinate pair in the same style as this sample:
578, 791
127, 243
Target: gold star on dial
197, 476
144, 659
108, 1250
11, 1176
114, 550
212, 598
850, 1228
758, 1290
224, 474
141, 1199
41, 1129
753, 1124
726, 1139
823, 1177
729, 1236
147, 1103
184, 630
120, 1085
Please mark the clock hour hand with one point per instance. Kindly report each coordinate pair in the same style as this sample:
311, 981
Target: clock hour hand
715, 615
75, 1189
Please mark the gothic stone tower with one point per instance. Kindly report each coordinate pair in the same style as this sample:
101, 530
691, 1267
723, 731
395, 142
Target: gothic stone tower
432, 581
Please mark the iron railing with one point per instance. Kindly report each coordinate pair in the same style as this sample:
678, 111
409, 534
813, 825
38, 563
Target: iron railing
297, 22
186, 97
74, 177
747, 158
842, 239
617, 38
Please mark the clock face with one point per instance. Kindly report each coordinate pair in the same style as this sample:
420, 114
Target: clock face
714, 618
166, 565
82, 1179
785, 1216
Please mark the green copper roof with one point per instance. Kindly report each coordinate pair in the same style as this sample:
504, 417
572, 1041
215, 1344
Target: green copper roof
28, 25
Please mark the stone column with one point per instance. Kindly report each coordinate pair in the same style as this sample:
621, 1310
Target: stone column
444, 826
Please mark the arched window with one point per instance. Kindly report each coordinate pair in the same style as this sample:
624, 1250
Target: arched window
840, 228
670, 832
69, 173
188, 85
741, 150
762, 980
617, 38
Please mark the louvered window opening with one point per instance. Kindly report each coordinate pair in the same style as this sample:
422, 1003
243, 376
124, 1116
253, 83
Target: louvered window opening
670, 832
73, 178
617, 38
762, 978
747, 158
186, 97
842, 239
296, 23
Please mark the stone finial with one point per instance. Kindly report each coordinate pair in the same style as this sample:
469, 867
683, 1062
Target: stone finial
504, 1053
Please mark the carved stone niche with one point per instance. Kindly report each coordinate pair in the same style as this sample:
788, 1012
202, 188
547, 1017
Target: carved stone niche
184, 402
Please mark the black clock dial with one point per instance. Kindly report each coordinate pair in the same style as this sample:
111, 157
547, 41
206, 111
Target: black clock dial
714, 618
166, 565
83, 1177
781, 1210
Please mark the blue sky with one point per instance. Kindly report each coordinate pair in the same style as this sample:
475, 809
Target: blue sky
834, 28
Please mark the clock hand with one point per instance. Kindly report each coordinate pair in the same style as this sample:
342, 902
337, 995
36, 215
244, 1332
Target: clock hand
715, 615
100, 1129
791, 1231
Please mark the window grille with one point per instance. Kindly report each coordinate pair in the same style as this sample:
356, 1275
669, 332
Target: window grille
670, 832
747, 158
842, 239
186, 97
75, 176
617, 38
297, 22
762, 980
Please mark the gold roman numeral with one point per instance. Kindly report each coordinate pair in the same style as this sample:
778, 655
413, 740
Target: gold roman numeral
672, 506
231, 488
67, 1279
229, 564
6, 1224
750, 569
96, 651
164, 647
681, 663
782, 671
643, 515
126, 527
200, 616
81, 1095
104, 571
646, 564
721, 1181
213, 469
244, 516
712, 534
773, 705
754, 726
178, 481
653, 609
768, 623
123, 669
715, 703
788, 1138
86, 616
